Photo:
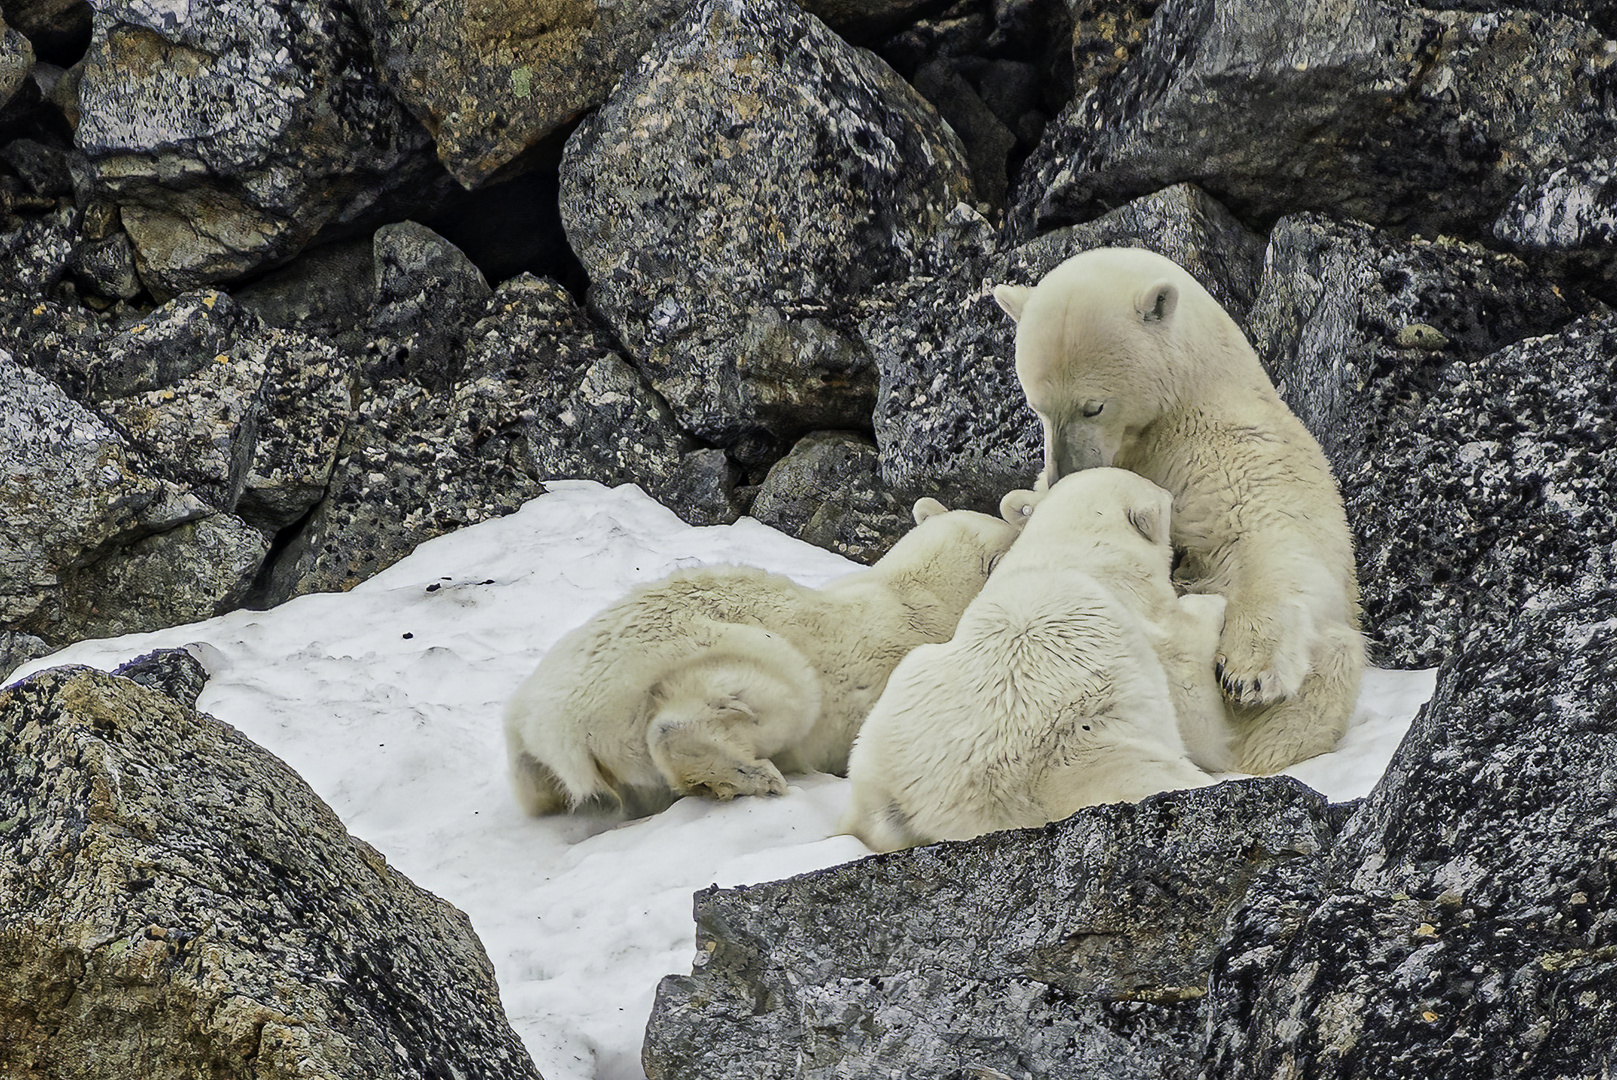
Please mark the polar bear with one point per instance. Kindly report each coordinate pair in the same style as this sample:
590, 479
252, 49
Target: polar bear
1052, 695
714, 680
1128, 361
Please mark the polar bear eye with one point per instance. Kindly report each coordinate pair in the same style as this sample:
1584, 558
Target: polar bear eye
1093, 408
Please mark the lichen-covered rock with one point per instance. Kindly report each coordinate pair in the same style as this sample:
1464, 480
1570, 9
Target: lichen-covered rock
951, 419
491, 80
1466, 927
1375, 109
1079, 949
36, 254
174, 672
828, 491
177, 902
16, 57
427, 295
743, 187
17, 649
542, 396
232, 134
68, 495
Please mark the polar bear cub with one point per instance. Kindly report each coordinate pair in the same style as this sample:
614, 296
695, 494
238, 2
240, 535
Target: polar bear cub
714, 680
1053, 693
1129, 362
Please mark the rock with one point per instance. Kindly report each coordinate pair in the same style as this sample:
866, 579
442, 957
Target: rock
864, 21
828, 491
1350, 321
179, 903
492, 80
17, 649
1439, 451
704, 488
742, 189
1464, 928
233, 135
68, 496
1374, 109
174, 672
988, 142
58, 29
1078, 949
542, 396
106, 267
427, 294
951, 420
36, 255
16, 57
327, 291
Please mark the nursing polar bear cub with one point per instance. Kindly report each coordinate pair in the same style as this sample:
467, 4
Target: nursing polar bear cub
1053, 693
1129, 362
714, 680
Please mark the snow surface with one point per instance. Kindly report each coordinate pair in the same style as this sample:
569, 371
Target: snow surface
387, 701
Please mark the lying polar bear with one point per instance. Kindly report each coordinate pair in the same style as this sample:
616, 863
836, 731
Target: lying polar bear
714, 680
1053, 694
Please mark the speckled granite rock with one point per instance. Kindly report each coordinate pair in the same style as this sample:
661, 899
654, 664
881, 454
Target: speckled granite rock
1376, 109
16, 57
231, 134
745, 184
36, 254
179, 903
828, 491
427, 292
491, 80
173, 672
542, 396
1076, 950
951, 419
17, 649
1446, 429
1466, 927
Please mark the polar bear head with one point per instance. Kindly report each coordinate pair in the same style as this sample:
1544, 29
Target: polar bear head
1103, 521
1106, 343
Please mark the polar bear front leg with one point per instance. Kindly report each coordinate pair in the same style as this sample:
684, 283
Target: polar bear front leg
1264, 650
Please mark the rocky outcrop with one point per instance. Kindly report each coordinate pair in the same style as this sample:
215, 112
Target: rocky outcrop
179, 903
742, 189
1080, 949
230, 136
828, 491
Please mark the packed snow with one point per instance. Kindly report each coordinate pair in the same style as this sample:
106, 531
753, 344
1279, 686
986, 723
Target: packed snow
387, 700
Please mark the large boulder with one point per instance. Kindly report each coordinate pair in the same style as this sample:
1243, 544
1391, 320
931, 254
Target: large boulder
1079, 949
233, 134
175, 902
745, 185
951, 420
1377, 109
828, 491
491, 80
16, 57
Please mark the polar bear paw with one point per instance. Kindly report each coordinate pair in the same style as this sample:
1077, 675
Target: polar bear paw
1264, 660
726, 782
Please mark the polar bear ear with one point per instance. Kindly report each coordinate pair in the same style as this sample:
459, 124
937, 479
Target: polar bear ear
1156, 303
1150, 521
1017, 506
1012, 298
927, 507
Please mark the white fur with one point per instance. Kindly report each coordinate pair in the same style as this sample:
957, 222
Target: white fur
1051, 695
714, 680
1128, 361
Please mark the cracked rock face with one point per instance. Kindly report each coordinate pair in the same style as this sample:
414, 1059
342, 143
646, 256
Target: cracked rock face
742, 188
232, 134
179, 903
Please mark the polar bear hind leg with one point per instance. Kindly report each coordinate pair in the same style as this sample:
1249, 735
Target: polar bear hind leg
716, 721
537, 788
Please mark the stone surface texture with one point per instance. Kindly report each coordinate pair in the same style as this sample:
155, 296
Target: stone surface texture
132, 948
744, 186
828, 490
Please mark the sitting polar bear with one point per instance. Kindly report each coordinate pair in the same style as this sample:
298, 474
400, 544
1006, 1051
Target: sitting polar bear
713, 680
1053, 693
1129, 362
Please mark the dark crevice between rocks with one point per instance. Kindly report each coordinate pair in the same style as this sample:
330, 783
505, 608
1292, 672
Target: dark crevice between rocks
258, 595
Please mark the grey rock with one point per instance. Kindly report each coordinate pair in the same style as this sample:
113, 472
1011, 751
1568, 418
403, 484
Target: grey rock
1078, 949
492, 80
704, 488
864, 20
35, 256
16, 57
179, 903
1439, 452
427, 293
951, 420
174, 672
828, 491
542, 396
745, 185
47, 170
68, 496
1374, 109
232, 135
1465, 927
1350, 320
57, 28
988, 142
327, 291
106, 267
17, 649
